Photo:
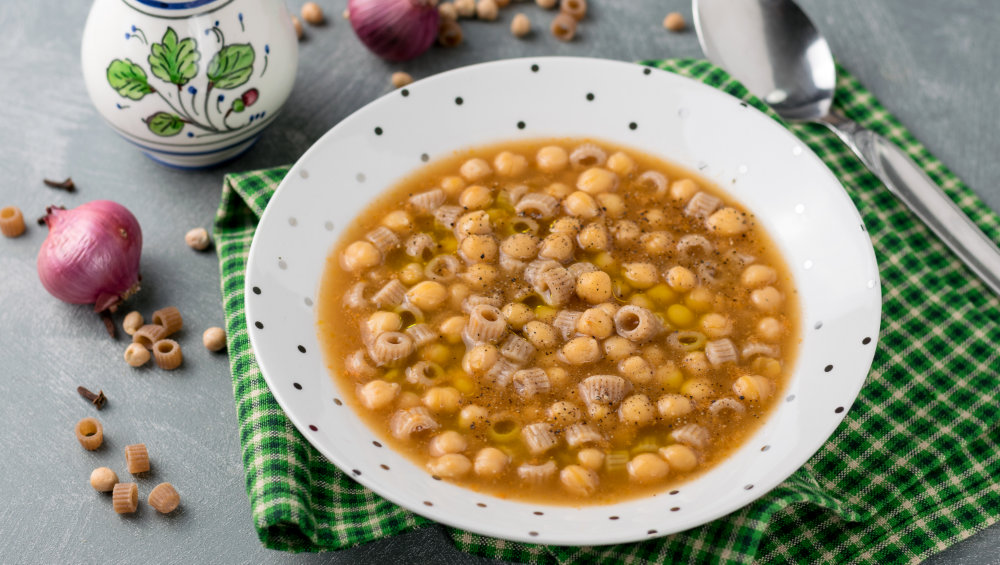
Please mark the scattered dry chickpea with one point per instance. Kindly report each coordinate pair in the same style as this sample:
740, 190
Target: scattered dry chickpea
133, 321
465, 8
503, 3
564, 27
312, 13
298, 27
103, 479
136, 355
447, 12
346, 14
487, 10
198, 239
214, 338
674, 22
520, 25
450, 34
401, 79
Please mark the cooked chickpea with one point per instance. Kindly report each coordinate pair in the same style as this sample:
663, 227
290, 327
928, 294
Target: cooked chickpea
517, 314
654, 219
471, 416
427, 295
767, 299
450, 466
436, 353
636, 369
654, 355
579, 480
593, 237
680, 457
475, 197
700, 299
682, 190
637, 410
626, 233
591, 458
566, 225
377, 394
522, 246
381, 322
695, 363
581, 205
480, 358
673, 406
476, 222
479, 248
411, 274
452, 185
594, 287
480, 276
657, 242
728, 222
408, 400
596, 180
618, 348
698, 390
557, 246
640, 275
447, 442
398, 221
610, 308
770, 329
457, 293
551, 159
621, 164
541, 335
442, 399
360, 255
563, 413
753, 387
647, 468
475, 169
595, 322
558, 190
756, 276
715, 325
490, 462
681, 279
680, 315
451, 328
509, 164
581, 350
612, 204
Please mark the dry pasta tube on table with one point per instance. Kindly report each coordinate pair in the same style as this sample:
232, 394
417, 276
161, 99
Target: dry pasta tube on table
137, 458
169, 318
11, 221
125, 498
164, 498
89, 433
167, 354
149, 334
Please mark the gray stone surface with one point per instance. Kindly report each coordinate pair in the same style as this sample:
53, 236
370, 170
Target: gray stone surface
934, 64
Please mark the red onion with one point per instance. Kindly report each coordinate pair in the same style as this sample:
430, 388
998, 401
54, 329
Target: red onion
396, 30
91, 255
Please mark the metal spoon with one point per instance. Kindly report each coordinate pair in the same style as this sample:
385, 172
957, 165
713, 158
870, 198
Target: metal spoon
773, 48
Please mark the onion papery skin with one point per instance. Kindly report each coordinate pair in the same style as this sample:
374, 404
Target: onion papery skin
396, 30
91, 255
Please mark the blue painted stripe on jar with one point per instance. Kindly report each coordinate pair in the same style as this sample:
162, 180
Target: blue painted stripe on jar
182, 5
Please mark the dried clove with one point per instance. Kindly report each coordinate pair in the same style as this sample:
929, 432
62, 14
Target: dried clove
109, 324
97, 400
66, 185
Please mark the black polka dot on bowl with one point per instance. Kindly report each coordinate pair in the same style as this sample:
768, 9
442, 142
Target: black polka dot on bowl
384, 466
338, 402
647, 71
313, 428
633, 125
866, 341
459, 101
378, 130
302, 349
748, 487
533, 534
819, 325
534, 68
674, 492
308, 301
651, 532
590, 96
612, 517
521, 125
828, 368
425, 157
328, 226
405, 92
376, 444
435, 477
356, 472
790, 398
256, 290
297, 386
744, 104
838, 410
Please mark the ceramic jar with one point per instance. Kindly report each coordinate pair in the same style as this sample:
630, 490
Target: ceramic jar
191, 83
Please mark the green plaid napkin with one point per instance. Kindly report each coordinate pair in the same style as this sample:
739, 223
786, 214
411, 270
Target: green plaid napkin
913, 468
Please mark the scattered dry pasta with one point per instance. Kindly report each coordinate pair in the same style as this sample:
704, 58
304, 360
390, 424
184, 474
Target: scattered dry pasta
167, 354
164, 498
11, 221
90, 433
137, 458
125, 498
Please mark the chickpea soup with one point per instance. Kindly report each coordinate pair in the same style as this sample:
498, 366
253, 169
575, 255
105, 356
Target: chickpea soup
562, 321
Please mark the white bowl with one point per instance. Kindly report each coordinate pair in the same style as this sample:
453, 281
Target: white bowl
793, 194
191, 83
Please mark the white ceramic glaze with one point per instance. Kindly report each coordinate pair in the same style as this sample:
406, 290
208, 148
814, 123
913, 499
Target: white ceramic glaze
792, 193
191, 83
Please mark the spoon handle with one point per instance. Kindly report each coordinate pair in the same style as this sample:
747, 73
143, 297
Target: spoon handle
925, 199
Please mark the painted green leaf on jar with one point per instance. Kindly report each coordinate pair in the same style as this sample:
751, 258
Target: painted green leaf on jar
165, 124
231, 66
173, 60
128, 79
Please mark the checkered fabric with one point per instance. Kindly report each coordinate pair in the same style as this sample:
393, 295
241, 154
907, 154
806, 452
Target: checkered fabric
913, 468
